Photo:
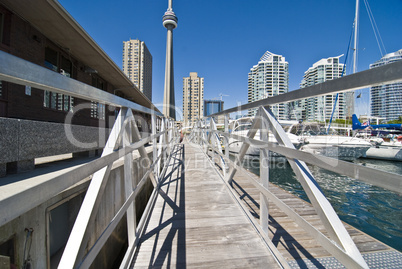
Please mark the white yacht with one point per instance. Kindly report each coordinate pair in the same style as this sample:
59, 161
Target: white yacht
307, 137
330, 145
242, 126
388, 149
386, 140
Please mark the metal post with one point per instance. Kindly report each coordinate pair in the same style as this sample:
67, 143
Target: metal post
164, 141
242, 152
128, 184
143, 153
74, 250
264, 176
211, 139
161, 151
205, 135
170, 126
200, 133
226, 141
154, 145
337, 232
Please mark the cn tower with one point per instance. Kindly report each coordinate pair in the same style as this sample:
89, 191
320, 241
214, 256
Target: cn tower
169, 22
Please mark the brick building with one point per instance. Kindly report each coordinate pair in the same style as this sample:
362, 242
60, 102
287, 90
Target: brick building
43, 33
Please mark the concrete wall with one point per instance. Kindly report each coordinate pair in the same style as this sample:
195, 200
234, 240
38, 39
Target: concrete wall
37, 219
21, 141
34, 219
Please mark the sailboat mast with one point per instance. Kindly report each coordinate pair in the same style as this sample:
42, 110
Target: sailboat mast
355, 37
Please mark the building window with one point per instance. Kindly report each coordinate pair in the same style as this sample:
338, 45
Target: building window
97, 110
51, 59
53, 100
46, 98
58, 101
65, 102
94, 110
1, 27
98, 83
28, 90
66, 67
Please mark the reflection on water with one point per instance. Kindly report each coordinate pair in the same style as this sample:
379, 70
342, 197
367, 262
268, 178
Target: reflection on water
371, 209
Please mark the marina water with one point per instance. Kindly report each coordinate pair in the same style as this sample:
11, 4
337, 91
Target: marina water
373, 210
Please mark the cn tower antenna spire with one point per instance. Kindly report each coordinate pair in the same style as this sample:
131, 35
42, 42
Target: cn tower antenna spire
169, 22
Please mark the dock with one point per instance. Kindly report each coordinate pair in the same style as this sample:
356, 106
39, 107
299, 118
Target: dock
196, 222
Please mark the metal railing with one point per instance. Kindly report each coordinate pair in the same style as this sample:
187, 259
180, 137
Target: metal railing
339, 242
123, 140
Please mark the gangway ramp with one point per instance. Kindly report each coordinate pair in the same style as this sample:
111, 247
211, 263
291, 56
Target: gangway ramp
196, 222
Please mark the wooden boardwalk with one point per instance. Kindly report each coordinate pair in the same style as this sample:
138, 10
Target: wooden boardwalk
196, 222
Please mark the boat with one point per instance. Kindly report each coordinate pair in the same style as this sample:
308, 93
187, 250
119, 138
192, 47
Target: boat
319, 141
391, 151
384, 147
241, 127
308, 137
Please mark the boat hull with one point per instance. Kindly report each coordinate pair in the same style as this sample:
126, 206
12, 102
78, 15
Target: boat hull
341, 152
340, 147
385, 152
254, 152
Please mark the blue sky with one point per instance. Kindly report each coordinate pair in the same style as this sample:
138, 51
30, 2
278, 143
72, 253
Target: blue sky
223, 39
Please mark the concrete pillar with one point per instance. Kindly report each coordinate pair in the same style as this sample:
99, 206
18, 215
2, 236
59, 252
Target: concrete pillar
25, 165
19, 166
3, 169
90, 153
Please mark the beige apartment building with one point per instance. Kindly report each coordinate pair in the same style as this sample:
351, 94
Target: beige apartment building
137, 65
193, 98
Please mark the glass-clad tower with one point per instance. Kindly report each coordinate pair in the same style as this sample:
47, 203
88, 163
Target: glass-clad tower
320, 108
386, 100
270, 77
212, 106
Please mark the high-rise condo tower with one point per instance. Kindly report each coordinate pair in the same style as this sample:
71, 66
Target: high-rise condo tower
320, 108
386, 100
137, 65
193, 99
270, 77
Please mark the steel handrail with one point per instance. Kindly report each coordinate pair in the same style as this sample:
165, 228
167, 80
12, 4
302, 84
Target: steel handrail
74, 256
16, 70
343, 246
